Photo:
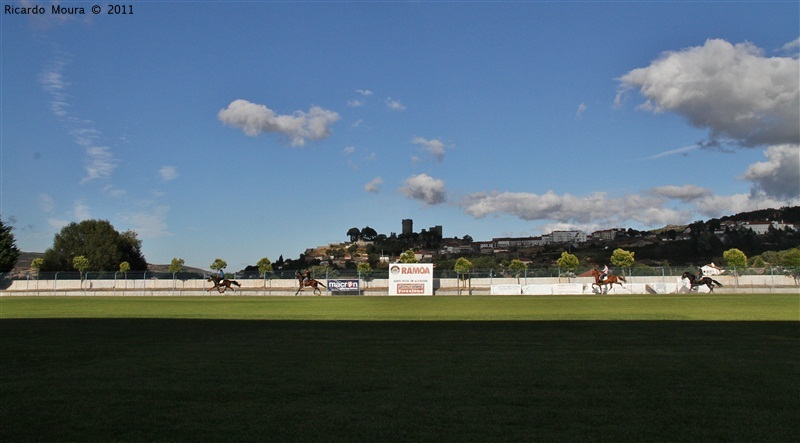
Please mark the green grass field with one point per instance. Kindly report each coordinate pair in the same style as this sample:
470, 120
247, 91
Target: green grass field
643, 368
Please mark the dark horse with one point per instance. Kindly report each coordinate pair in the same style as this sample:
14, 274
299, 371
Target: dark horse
222, 284
308, 282
609, 280
708, 281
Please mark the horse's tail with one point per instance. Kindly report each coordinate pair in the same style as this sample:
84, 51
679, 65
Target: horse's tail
622, 278
715, 282
234, 282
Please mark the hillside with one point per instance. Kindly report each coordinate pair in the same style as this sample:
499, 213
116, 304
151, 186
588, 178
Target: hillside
23, 266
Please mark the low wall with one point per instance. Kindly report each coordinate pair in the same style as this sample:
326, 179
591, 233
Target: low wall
441, 286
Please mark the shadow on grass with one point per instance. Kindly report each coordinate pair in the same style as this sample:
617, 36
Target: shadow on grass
156, 380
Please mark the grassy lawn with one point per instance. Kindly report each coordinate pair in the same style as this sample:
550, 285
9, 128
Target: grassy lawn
663, 368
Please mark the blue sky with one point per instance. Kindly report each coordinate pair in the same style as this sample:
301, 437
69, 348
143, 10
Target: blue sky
243, 130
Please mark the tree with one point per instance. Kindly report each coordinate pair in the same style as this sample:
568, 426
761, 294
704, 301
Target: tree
365, 270
264, 266
219, 264
9, 253
99, 242
175, 266
80, 263
622, 258
36, 265
758, 262
368, 233
735, 258
335, 251
354, 234
568, 261
791, 258
408, 257
517, 267
462, 268
124, 267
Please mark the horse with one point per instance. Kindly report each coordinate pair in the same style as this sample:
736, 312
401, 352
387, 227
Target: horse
693, 281
309, 282
609, 280
222, 284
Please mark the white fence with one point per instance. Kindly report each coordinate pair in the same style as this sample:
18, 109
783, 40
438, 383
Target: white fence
378, 287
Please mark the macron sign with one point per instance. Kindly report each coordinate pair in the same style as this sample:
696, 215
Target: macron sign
411, 279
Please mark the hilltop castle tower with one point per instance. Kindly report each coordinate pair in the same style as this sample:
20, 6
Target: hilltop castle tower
408, 226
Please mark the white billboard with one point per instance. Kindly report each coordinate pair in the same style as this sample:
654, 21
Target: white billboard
411, 279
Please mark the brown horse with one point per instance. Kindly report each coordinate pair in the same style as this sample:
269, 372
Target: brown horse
694, 282
222, 284
609, 280
308, 282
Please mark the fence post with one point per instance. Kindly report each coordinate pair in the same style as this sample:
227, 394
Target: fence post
772, 277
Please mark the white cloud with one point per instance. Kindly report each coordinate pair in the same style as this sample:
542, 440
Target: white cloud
395, 105
581, 110
779, 176
734, 91
100, 163
149, 224
349, 150
57, 223
718, 205
355, 103
364, 92
81, 211
374, 185
46, 203
595, 208
424, 188
300, 127
792, 48
53, 82
434, 147
682, 151
168, 173
598, 211
685, 193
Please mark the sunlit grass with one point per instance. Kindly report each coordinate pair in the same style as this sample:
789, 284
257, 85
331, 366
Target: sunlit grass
646, 307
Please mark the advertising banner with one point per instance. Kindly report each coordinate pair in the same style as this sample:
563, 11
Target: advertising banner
411, 279
343, 285
506, 289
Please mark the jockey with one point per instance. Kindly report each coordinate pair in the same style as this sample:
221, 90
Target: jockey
604, 273
306, 276
221, 274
